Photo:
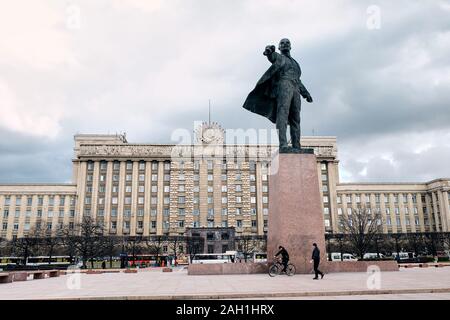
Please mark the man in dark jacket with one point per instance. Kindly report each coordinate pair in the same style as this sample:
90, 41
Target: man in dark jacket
316, 259
284, 257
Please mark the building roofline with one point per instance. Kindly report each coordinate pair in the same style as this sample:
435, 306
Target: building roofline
392, 183
39, 184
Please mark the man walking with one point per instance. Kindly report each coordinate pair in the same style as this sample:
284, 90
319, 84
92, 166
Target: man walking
316, 259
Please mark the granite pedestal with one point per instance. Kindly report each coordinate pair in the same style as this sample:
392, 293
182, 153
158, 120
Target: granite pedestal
296, 217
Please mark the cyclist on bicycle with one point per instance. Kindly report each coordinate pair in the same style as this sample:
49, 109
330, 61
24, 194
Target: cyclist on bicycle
284, 257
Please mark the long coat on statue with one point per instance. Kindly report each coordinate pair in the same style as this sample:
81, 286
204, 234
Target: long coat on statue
263, 99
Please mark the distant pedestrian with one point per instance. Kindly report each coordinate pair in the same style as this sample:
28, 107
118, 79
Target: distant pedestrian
316, 259
103, 264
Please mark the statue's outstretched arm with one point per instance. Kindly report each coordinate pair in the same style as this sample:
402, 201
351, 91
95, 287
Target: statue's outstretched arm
304, 92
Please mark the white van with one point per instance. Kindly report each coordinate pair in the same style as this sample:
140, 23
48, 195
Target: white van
372, 255
336, 256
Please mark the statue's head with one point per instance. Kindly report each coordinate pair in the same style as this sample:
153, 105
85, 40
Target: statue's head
285, 45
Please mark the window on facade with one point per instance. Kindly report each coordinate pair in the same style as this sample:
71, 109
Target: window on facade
116, 177
224, 200
253, 211
181, 211
238, 211
167, 200
61, 213
140, 200
153, 212
182, 199
166, 212
17, 213
181, 188
224, 211
339, 211
327, 222
210, 189
326, 210
166, 166
100, 212
141, 189
127, 200
253, 200
113, 212
239, 223
195, 212
30, 201
265, 211
181, 223
325, 199
166, 189
238, 199
265, 199
140, 224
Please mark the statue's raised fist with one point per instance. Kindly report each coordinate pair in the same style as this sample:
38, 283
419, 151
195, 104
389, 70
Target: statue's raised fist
269, 49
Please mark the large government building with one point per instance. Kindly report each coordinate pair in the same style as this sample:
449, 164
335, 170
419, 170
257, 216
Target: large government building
165, 189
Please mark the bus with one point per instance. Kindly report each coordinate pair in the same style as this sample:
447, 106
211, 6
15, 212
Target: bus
208, 258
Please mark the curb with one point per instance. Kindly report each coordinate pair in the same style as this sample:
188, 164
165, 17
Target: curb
264, 295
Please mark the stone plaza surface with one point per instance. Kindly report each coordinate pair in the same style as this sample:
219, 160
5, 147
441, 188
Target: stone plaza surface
154, 284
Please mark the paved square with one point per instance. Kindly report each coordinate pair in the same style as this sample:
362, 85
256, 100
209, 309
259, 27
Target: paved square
154, 284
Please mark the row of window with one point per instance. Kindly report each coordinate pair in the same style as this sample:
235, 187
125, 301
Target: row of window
386, 198
39, 213
27, 226
40, 201
167, 165
166, 212
181, 177
387, 210
181, 188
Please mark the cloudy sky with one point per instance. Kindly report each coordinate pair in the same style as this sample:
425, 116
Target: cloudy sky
379, 73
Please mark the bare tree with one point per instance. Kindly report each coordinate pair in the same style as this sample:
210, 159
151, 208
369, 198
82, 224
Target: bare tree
194, 245
362, 227
109, 247
86, 238
155, 245
249, 244
174, 245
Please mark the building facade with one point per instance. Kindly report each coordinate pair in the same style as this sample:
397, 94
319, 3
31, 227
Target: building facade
166, 189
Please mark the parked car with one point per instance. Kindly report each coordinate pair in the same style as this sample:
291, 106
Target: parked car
372, 255
336, 256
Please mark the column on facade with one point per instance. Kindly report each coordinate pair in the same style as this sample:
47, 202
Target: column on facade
189, 192
259, 203
174, 205
332, 195
421, 227
134, 198
231, 189
203, 194
446, 209
402, 214
217, 191
81, 190
434, 202
147, 197
21, 218
246, 206
66, 209
121, 197
443, 209
430, 210
108, 191
95, 185
160, 199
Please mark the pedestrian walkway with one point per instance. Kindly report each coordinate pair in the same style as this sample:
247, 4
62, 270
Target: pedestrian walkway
178, 285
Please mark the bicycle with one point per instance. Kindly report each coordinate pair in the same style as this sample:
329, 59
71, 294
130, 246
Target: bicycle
277, 267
